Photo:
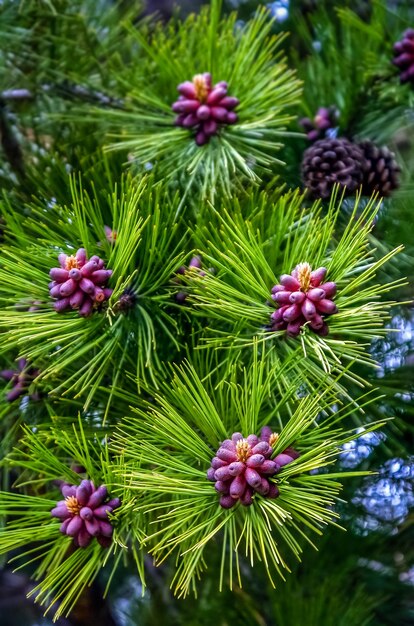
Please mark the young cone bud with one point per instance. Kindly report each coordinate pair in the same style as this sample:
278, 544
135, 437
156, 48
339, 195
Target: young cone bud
226, 455
236, 468
227, 502
238, 486
252, 477
222, 486
216, 463
326, 306
255, 460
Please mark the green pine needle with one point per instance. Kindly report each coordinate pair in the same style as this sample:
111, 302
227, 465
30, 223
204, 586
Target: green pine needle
168, 448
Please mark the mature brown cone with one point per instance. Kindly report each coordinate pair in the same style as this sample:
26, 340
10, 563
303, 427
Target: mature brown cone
382, 170
332, 161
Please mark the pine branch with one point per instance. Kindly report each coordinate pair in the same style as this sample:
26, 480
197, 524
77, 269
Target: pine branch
248, 59
248, 263
147, 251
62, 570
167, 450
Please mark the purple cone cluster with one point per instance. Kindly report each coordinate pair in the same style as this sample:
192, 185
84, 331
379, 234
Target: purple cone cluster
79, 284
243, 467
194, 265
303, 298
404, 56
21, 379
204, 107
326, 119
84, 513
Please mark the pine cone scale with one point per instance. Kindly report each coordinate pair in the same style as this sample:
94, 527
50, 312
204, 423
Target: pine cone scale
332, 161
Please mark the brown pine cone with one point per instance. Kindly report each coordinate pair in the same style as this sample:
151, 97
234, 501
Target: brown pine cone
332, 161
382, 170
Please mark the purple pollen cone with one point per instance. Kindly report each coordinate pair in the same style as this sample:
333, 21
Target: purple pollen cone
204, 107
325, 119
79, 284
303, 298
404, 56
84, 513
243, 466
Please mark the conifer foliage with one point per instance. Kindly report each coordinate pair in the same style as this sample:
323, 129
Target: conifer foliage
196, 296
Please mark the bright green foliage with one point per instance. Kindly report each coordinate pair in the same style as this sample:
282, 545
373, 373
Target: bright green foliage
141, 399
168, 449
62, 572
73, 353
249, 255
363, 50
246, 57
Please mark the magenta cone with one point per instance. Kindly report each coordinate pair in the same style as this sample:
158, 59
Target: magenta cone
223, 473
83, 492
68, 490
297, 297
236, 468
102, 511
227, 502
282, 297
98, 496
58, 274
262, 448
67, 288
247, 498
316, 322
250, 472
203, 112
289, 282
83, 538
273, 491
303, 301
92, 526
79, 284
222, 486
269, 467
74, 526
204, 107
210, 474
63, 527
263, 488
326, 306
85, 521
61, 305
252, 477
187, 89
86, 513
292, 313
55, 290
76, 299
283, 459
226, 455
105, 529
317, 276
81, 256
315, 294
255, 460
216, 463
86, 308
238, 486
